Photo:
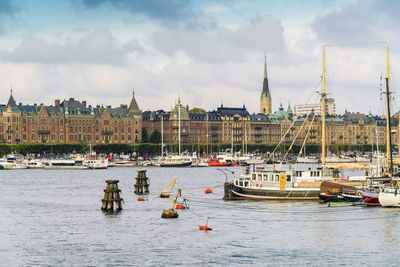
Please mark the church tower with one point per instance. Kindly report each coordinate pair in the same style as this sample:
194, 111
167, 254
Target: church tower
265, 99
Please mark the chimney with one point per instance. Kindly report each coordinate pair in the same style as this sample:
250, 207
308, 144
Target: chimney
57, 102
98, 106
35, 104
41, 104
71, 99
124, 106
84, 103
20, 103
109, 106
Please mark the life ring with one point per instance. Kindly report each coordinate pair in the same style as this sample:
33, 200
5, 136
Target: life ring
359, 194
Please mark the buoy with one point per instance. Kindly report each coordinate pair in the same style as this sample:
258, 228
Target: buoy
205, 227
180, 207
208, 191
140, 199
169, 214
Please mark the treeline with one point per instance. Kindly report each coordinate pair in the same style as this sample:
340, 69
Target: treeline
142, 149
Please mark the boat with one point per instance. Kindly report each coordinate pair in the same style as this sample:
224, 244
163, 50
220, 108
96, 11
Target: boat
17, 161
95, 162
216, 163
5, 165
280, 184
180, 160
328, 197
371, 198
167, 191
352, 195
68, 164
34, 164
389, 194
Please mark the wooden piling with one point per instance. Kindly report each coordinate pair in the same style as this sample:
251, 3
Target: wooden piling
111, 195
142, 183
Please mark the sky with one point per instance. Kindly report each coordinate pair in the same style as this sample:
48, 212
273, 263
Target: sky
206, 53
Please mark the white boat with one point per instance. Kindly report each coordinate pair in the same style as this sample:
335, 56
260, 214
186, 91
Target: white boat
389, 197
68, 164
182, 159
17, 161
6, 165
34, 164
307, 159
95, 162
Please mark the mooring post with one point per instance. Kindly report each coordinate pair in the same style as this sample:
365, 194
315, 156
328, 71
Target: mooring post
111, 195
142, 183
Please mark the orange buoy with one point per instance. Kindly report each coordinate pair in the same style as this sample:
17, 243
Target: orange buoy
205, 228
179, 207
140, 199
208, 191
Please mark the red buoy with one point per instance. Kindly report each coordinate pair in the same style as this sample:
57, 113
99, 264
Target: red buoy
208, 191
179, 207
205, 228
140, 199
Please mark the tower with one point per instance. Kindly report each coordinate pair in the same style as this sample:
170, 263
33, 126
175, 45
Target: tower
265, 99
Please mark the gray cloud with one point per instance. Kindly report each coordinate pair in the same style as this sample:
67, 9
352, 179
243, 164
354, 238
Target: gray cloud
164, 10
97, 47
362, 21
223, 44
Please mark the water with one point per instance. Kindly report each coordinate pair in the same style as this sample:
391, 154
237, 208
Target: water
53, 218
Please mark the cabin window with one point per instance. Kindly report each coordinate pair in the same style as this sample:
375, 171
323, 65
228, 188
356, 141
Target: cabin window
254, 176
288, 178
317, 173
277, 178
270, 178
259, 177
265, 177
241, 183
236, 182
246, 184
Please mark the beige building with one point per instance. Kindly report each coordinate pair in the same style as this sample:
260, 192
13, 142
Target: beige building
300, 110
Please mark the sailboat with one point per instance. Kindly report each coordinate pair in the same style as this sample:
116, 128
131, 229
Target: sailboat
167, 191
179, 160
389, 196
289, 184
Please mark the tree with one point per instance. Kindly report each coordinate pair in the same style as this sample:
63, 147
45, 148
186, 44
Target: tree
145, 136
197, 110
155, 137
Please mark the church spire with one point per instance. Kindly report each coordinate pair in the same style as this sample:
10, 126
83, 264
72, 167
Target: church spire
11, 102
265, 100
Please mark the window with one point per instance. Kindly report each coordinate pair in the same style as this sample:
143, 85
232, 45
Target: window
277, 178
288, 178
33, 137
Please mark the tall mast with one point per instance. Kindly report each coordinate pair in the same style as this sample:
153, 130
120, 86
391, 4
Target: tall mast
207, 134
179, 125
389, 156
162, 135
323, 106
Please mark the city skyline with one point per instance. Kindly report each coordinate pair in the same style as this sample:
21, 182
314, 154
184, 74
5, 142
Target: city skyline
207, 53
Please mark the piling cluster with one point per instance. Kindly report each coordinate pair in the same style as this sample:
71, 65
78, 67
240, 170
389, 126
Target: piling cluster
111, 196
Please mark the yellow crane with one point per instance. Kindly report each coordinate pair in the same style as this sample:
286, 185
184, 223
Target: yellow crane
171, 213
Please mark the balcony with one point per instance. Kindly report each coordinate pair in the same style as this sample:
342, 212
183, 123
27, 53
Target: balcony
43, 132
107, 133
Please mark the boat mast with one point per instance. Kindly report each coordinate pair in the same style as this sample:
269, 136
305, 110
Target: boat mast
323, 95
179, 125
389, 156
207, 134
162, 135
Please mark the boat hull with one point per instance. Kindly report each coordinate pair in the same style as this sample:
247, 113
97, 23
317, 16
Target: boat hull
274, 194
177, 164
330, 198
389, 199
370, 198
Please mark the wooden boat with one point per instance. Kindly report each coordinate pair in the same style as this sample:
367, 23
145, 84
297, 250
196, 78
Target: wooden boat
167, 191
340, 204
326, 197
371, 198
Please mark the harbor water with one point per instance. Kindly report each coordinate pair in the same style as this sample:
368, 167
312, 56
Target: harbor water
53, 218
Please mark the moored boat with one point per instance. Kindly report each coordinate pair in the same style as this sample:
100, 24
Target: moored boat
216, 163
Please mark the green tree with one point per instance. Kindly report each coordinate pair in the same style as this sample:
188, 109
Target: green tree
145, 136
155, 137
197, 110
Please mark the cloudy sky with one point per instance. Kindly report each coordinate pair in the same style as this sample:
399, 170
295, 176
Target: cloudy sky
206, 52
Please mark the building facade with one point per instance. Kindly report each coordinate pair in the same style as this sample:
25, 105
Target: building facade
70, 121
305, 109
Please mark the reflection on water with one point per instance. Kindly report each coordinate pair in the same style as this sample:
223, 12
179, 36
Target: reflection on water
54, 218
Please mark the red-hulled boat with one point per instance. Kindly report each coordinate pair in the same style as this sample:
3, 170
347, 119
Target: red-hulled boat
371, 198
217, 163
